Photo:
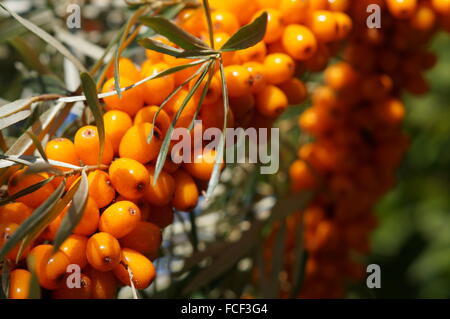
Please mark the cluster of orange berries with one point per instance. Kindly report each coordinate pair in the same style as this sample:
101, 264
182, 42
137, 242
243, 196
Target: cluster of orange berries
355, 119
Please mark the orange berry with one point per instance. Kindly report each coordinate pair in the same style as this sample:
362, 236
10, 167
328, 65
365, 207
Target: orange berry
188, 20
220, 38
19, 284
391, 111
242, 10
224, 21
271, 101
134, 143
186, 192
442, 7
315, 5
155, 56
147, 114
82, 292
344, 24
120, 218
263, 4
294, 11
295, 91
301, 176
100, 188
181, 75
6, 231
338, 5
161, 193
238, 79
116, 125
402, 9
129, 177
145, 238
88, 224
257, 74
156, 90
103, 283
75, 249
424, 18
212, 115
127, 69
275, 26
340, 76
103, 251
243, 108
202, 164
175, 103
50, 268
62, 150
279, 67
255, 53
214, 92
324, 26
142, 269
20, 181
162, 216
14, 213
87, 146
299, 42
131, 101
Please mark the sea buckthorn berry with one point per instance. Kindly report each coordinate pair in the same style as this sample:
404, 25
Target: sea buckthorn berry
20, 181
103, 283
202, 164
182, 75
315, 5
324, 96
14, 213
220, 38
162, 216
103, 251
263, 4
145, 238
295, 91
188, 19
214, 92
62, 150
6, 231
338, 5
116, 125
424, 18
142, 269
294, 11
50, 268
312, 120
243, 11
212, 115
100, 188
301, 176
127, 69
82, 292
324, 26
376, 86
258, 75
340, 75
442, 7
274, 24
299, 42
134, 143
129, 177
239, 80
224, 21
319, 61
156, 90
161, 193
402, 9
186, 192
271, 101
155, 56
255, 53
175, 103
391, 111
131, 101
75, 249
147, 115
279, 68
243, 108
89, 222
19, 284
120, 218
87, 145
345, 25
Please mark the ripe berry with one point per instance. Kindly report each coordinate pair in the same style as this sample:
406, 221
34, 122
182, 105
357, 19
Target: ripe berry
129, 177
202, 164
103, 283
14, 213
6, 231
19, 284
156, 90
279, 68
145, 238
239, 80
295, 91
142, 270
258, 75
186, 192
147, 115
87, 146
224, 21
134, 143
100, 188
243, 108
402, 9
324, 26
162, 216
271, 101
301, 176
127, 69
162, 192
103, 251
82, 292
131, 101
294, 11
255, 53
75, 249
274, 24
299, 42
116, 125
120, 218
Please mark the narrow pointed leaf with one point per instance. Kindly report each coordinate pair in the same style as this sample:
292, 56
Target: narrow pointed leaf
37, 143
13, 107
14, 118
26, 191
158, 46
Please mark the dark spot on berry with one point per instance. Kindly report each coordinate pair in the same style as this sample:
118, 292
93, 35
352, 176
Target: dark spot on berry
132, 211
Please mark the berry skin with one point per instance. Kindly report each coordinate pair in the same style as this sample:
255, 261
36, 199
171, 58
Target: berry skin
103, 251
258, 75
62, 150
212, 115
255, 53
239, 80
340, 76
274, 24
50, 268
402, 9
175, 103
19, 181
344, 23
271, 101
116, 124
103, 283
294, 11
88, 224
301, 176
14, 213
279, 68
6, 231
324, 26
338, 5
127, 69
147, 114
134, 143
87, 146
75, 249
295, 91
181, 75
142, 269
202, 164
160, 194
156, 90
162, 216
186, 192
132, 99
424, 18
120, 218
19, 284
299, 42
129, 177
242, 10
243, 108
145, 238
83, 292
100, 188
442, 7
391, 111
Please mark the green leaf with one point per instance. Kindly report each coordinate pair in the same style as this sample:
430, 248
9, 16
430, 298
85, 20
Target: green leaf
14, 118
26, 191
6, 271
174, 33
197, 54
248, 35
32, 222
75, 214
158, 46
90, 91
35, 289
38, 145
46, 37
